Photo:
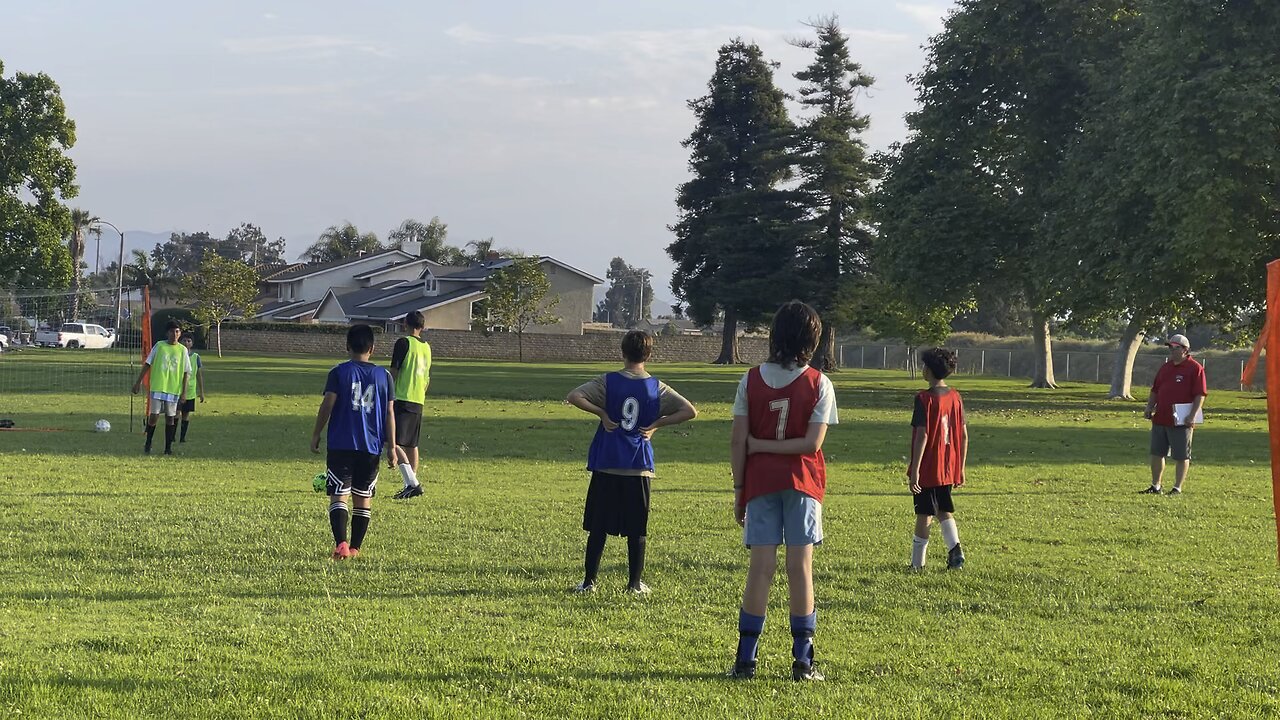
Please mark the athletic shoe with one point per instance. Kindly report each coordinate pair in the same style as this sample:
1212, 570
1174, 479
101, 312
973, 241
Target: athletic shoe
742, 670
640, 589
584, 587
146, 449
342, 551
955, 558
412, 491
805, 671
1153, 490
168, 452
1174, 491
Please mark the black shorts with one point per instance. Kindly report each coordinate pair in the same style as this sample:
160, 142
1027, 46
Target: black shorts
934, 500
617, 505
187, 406
408, 423
351, 472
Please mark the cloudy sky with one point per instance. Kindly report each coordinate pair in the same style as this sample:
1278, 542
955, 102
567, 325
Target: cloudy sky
553, 127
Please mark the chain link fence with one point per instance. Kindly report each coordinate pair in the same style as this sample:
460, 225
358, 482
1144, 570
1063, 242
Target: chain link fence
1222, 369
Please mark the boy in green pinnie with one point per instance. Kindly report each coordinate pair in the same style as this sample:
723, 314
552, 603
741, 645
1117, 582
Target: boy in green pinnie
194, 387
170, 366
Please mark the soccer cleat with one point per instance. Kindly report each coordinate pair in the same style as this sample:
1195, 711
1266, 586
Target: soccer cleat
1153, 490
1175, 491
742, 670
955, 558
342, 551
584, 587
412, 491
639, 589
805, 671
168, 451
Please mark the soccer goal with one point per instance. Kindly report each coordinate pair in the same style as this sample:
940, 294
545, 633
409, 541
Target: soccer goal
69, 359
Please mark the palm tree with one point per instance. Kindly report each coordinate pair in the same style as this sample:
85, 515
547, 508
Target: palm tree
142, 271
81, 220
340, 242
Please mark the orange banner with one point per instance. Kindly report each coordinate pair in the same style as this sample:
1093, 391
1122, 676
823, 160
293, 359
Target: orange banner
1269, 340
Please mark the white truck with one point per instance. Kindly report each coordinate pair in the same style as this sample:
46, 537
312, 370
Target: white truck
76, 335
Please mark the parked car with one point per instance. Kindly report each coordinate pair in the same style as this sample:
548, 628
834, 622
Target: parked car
77, 335
5, 334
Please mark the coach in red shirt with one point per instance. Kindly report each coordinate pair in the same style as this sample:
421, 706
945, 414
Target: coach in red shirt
1177, 396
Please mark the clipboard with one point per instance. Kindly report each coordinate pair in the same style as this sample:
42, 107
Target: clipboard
1182, 410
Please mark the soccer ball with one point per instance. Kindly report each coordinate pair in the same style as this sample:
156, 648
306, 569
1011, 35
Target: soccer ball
102, 426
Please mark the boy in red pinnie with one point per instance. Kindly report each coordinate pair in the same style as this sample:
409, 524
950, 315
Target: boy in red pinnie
939, 447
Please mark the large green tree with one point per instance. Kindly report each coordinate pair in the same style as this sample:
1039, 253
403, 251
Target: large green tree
738, 230
81, 222
964, 204
629, 298
1169, 200
249, 244
432, 238
835, 175
36, 178
221, 289
341, 241
144, 271
518, 297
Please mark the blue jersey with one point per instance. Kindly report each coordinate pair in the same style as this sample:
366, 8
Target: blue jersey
359, 416
633, 403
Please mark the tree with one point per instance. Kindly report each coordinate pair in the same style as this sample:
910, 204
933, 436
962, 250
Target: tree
738, 231
145, 272
431, 238
248, 244
622, 301
518, 298
835, 176
220, 290
966, 198
81, 221
341, 241
1169, 198
183, 252
36, 177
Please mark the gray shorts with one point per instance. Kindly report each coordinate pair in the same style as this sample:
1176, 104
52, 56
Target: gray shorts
1172, 441
789, 517
168, 408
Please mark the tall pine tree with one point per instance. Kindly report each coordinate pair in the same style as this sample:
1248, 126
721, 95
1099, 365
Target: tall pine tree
738, 232
835, 177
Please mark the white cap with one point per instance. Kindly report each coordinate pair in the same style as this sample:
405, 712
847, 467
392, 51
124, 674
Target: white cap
1179, 340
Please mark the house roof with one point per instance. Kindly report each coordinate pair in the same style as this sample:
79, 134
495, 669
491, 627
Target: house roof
483, 270
277, 306
266, 272
395, 266
310, 269
407, 305
298, 311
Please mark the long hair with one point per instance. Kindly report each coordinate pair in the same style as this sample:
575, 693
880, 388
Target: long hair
794, 335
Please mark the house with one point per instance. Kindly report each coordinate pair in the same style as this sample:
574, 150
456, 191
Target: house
381, 288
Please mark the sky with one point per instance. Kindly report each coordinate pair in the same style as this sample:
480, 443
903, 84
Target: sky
553, 127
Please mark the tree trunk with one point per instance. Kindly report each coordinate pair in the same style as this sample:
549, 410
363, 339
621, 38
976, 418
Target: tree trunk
1126, 352
1042, 348
824, 358
520, 346
729, 341
218, 329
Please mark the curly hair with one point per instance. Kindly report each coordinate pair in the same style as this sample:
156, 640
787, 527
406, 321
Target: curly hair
940, 361
794, 335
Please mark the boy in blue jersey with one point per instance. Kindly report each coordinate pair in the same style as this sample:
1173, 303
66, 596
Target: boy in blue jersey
631, 405
357, 407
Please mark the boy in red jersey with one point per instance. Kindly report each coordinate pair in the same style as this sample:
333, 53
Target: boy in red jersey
780, 418
939, 446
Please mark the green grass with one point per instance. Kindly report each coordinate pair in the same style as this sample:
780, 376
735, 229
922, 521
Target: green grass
199, 586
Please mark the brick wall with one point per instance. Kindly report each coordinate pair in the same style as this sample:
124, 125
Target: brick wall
589, 347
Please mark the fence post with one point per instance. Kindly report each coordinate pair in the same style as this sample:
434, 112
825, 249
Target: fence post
884, 362
1097, 371
982, 363
1068, 373
862, 361
1009, 367
1241, 376
840, 355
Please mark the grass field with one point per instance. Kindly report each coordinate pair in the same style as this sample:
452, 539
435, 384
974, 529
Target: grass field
200, 586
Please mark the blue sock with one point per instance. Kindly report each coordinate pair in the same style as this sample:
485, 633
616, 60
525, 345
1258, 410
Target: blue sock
749, 629
802, 629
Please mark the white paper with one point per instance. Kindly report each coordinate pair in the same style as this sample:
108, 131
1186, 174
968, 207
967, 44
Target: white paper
1182, 410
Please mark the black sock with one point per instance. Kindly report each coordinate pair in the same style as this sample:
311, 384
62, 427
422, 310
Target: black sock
635, 559
338, 521
151, 431
595, 549
169, 432
359, 526
185, 423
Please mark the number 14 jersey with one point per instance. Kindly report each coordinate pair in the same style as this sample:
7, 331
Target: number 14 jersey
359, 416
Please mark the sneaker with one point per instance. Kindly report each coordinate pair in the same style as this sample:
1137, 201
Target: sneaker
742, 670
412, 491
1174, 491
146, 449
585, 587
805, 671
640, 589
342, 551
1153, 490
168, 451
955, 558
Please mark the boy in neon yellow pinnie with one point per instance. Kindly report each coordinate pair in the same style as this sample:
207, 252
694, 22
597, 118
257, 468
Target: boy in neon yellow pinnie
193, 389
411, 372
170, 366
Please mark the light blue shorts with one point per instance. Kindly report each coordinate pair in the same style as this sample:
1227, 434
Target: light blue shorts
789, 517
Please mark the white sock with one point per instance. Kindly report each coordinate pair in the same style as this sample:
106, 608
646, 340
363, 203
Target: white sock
919, 546
406, 473
950, 534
